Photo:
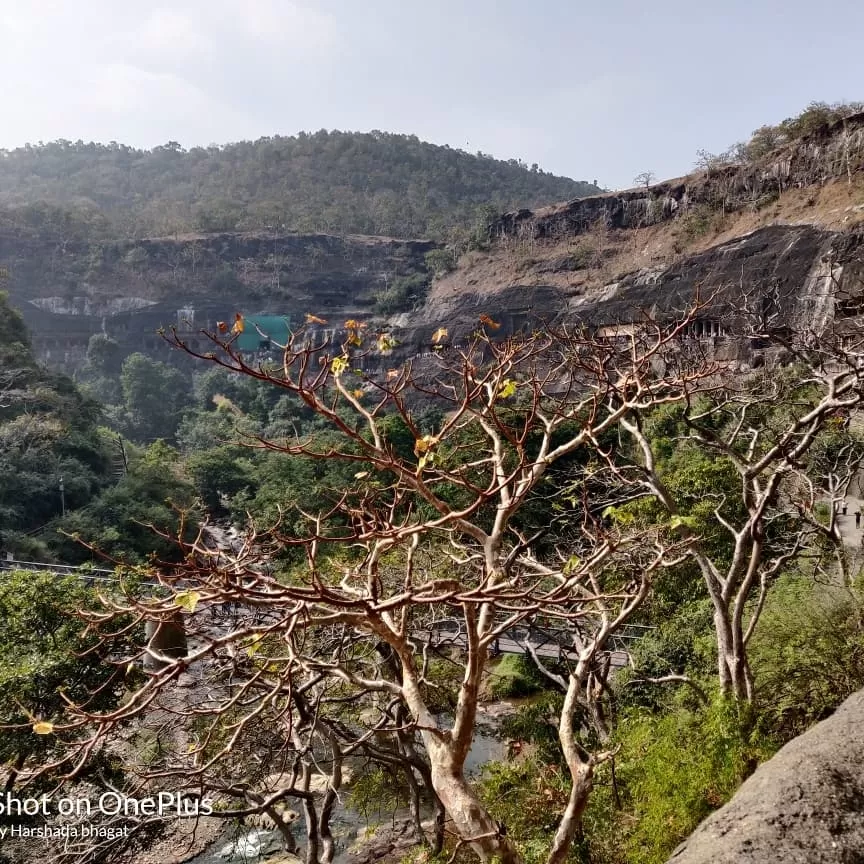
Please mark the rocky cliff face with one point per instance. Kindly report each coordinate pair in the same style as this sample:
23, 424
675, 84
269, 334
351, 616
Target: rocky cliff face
68, 291
789, 227
804, 806
834, 152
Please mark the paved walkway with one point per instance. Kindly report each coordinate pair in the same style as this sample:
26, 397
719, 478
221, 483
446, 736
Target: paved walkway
852, 533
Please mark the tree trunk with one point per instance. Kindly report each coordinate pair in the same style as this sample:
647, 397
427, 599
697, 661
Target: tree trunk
471, 820
581, 769
572, 818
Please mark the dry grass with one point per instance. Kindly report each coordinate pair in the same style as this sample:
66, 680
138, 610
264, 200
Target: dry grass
613, 253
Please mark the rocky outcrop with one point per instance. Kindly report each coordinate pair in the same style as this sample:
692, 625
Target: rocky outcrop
802, 276
834, 151
804, 806
68, 291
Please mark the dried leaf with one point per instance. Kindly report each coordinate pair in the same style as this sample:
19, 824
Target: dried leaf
221, 326
438, 335
424, 444
489, 322
361, 474
43, 728
392, 373
314, 319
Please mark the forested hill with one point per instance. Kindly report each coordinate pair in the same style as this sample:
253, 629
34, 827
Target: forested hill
335, 182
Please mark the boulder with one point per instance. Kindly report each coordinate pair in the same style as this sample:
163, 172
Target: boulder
804, 806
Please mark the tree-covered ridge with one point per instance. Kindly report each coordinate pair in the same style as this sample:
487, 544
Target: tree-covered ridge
351, 182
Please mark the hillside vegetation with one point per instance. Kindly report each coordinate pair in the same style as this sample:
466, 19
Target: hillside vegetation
341, 182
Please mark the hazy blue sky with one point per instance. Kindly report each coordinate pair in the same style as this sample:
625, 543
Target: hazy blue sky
592, 90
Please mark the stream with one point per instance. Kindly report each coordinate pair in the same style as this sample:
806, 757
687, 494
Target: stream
253, 845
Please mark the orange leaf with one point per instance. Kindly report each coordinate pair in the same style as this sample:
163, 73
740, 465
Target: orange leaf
485, 319
438, 335
221, 326
314, 319
238, 323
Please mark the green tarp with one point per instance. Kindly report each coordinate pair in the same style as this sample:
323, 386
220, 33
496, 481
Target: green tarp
273, 329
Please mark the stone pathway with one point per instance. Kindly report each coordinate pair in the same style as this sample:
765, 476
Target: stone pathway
852, 534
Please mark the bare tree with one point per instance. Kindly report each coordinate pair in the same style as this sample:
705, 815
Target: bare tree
781, 431
645, 178
440, 532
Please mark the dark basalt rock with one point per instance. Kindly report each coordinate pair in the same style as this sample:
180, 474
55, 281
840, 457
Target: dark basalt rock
834, 151
804, 806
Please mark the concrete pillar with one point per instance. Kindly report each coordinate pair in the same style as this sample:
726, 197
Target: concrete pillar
165, 637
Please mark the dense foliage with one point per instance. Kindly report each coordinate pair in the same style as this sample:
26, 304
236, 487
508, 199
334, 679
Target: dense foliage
369, 183
45, 655
49, 436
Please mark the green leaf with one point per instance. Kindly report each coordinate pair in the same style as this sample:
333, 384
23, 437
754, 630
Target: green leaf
574, 562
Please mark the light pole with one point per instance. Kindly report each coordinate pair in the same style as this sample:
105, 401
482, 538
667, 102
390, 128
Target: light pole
62, 497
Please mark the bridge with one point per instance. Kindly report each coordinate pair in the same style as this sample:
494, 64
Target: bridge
548, 642
82, 571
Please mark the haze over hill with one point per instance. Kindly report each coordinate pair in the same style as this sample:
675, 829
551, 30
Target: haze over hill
337, 182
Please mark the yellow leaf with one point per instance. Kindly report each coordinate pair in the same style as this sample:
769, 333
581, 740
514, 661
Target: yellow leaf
354, 339
43, 728
187, 600
238, 323
386, 343
507, 388
314, 319
254, 644
357, 393
424, 444
338, 365
427, 459
438, 335
361, 474
492, 325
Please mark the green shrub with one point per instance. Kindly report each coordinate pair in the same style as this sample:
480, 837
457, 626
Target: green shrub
673, 770
700, 221
515, 676
401, 295
807, 654
527, 798
440, 261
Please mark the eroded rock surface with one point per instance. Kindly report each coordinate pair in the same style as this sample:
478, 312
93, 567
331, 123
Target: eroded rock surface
804, 806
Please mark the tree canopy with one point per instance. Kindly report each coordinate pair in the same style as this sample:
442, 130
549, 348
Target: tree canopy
350, 182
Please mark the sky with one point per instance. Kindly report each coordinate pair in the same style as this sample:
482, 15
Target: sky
600, 90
